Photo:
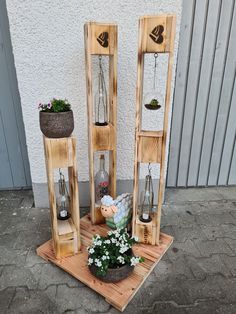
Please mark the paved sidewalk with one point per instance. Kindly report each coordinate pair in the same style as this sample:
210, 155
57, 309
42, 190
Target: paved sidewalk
197, 275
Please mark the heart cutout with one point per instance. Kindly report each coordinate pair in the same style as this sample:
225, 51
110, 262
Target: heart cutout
157, 34
103, 39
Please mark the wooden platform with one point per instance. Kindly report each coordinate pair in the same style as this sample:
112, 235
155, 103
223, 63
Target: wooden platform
119, 294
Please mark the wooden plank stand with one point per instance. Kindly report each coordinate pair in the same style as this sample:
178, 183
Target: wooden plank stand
156, 35
101, 40
61, 153
121, 293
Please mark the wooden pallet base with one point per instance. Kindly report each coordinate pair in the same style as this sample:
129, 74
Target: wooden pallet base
121, 293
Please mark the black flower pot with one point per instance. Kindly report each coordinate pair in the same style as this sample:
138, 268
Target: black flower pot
56, 124
113, 274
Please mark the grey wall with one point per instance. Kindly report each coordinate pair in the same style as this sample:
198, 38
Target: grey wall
202, 145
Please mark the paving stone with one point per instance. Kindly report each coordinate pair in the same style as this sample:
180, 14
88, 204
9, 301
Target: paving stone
220, 231
191, 195
9, 256
13, 276
218, 246
232, 244
205, 266
32, 301
181, 234
183, 248
32, 258
83, 297
227, 193
230, 262
6, 296
28, 239
9, 239
215, 219
51, 274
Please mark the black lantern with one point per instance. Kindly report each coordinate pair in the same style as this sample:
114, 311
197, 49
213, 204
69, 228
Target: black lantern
101, 98
150, 99
147, 199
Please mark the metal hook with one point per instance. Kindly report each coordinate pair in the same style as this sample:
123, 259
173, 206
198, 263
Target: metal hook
149, 168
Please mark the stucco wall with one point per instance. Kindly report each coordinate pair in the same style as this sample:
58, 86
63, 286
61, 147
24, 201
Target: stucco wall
48, 46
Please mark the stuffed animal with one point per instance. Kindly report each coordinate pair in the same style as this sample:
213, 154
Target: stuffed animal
118, 212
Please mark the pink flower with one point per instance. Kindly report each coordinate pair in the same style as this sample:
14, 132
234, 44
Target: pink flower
49, 105
40, 106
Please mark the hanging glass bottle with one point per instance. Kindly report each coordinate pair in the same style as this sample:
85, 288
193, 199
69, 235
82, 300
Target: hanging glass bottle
101, 181
150, 99
101, 98
147, 199
63, 200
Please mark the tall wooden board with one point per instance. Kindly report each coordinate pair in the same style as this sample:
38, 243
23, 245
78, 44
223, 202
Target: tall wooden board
101, 138
156, 35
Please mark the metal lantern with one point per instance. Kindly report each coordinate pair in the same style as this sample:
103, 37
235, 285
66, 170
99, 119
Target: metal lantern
101, 98
150, 99
63, 200
147, 195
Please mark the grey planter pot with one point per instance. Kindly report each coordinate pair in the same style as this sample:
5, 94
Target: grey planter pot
113, 274
56, 124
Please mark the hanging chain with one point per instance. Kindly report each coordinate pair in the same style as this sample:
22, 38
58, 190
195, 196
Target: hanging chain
155, 70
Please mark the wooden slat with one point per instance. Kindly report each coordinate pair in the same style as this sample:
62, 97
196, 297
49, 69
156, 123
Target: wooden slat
117, 294
101, 138
150, 146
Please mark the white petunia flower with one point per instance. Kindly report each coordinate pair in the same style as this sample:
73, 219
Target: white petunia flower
121, 259
91, 251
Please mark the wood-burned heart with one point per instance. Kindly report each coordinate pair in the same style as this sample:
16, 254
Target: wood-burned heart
103, 39
157, 34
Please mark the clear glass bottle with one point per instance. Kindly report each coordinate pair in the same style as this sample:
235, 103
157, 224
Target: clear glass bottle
63, 200
146, 201
101, 182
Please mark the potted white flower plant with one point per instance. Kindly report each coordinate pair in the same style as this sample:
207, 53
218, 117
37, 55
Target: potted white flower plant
111, 258
56, 118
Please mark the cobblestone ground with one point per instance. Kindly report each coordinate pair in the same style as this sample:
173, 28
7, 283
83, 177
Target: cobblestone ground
196, 275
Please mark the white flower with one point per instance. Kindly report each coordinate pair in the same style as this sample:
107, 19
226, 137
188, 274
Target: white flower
134, 261
107, 253
99, 243
121, 259
113, 240
107, 241
104, 257
123, 249
91, 251
90, 261
98, 263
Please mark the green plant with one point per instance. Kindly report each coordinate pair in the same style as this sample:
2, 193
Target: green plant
55, 105
154, 102
112, 251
